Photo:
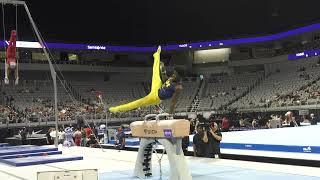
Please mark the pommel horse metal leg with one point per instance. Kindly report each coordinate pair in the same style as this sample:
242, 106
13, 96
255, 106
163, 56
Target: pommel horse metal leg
169, 133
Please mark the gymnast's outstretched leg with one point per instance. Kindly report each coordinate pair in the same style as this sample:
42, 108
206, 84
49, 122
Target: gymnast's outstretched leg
152, 98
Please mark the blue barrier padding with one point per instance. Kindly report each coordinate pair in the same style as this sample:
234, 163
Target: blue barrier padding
268, 147
259, 147
129, 142
4, 144
45, 153
28, 161
24, 150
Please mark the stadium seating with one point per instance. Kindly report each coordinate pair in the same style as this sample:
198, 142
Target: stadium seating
288, 77
224, 89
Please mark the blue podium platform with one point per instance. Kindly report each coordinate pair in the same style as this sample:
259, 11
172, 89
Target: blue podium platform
16, 147
21, 155
26, 155
27, 161
24, 150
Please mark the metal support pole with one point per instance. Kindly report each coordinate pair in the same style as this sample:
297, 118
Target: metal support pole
52, 70
106, 130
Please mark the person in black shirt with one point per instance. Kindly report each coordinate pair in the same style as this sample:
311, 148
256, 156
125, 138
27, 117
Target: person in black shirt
92, 142
200, 142
214, 138
23, 135
313, 119
49, 138
185, 145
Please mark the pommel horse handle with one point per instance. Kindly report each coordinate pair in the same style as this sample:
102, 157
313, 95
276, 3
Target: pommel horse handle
162, 115
150, 116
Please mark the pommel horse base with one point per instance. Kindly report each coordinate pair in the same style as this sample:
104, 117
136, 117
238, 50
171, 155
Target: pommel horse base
169, 133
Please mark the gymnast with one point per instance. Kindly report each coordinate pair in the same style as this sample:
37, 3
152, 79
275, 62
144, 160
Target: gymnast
171, 88
11, 59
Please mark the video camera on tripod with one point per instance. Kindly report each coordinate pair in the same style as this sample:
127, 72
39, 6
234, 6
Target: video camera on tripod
203, 122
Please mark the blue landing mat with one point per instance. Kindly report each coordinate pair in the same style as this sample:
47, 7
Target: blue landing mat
44, 153
4, 144
40, 160
24, 150
203, 171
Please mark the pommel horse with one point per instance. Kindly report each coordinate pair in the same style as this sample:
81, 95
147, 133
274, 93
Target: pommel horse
169, 133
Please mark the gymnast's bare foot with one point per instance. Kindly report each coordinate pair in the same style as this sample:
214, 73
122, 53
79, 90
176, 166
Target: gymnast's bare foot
159, 49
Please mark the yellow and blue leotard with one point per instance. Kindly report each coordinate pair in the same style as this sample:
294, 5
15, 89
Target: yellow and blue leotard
153, 97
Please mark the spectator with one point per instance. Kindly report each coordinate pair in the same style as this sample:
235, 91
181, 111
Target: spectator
88, 131
313, 119
61, 135
254, 123
214, 138
185, 144
225, 124
83, 137
92, 142
305, 119
120, 139
77, 137
23, 135
242, 122
289, 120
49, 138
101, 131
200, 142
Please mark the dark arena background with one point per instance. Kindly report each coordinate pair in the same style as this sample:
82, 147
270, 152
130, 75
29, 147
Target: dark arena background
226, 90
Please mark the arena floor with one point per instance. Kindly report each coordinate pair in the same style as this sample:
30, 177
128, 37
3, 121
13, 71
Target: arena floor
115, 165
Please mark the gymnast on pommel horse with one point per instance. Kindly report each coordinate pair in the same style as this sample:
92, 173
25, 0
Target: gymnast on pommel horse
159, 91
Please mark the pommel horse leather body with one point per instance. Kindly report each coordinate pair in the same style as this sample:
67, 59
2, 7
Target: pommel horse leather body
169, 133
175, 128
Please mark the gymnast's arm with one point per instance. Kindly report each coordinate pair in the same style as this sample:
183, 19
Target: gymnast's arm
174, 98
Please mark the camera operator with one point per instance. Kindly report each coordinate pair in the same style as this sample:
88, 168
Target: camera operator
214, 138
200, 142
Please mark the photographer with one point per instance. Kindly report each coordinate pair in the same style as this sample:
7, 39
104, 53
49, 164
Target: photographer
200, 142
214, 138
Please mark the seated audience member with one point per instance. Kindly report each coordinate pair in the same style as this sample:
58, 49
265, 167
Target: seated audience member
225, 124
254, 123
200, 142
305, 119
289, 120
242, 122
214, 138
92, 142
313, 119
120, 139
77, 137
